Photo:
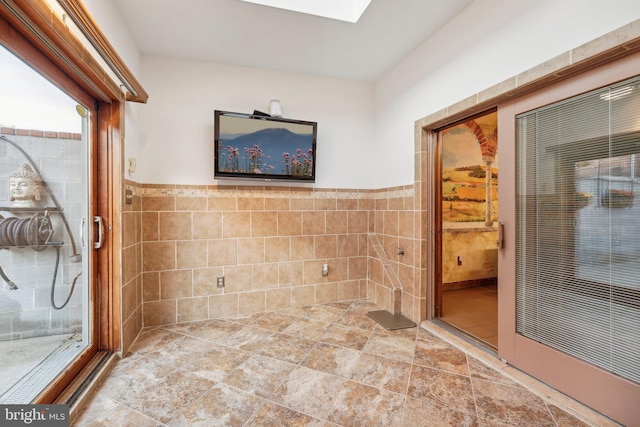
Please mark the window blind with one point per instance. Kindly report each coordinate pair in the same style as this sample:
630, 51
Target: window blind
578, 227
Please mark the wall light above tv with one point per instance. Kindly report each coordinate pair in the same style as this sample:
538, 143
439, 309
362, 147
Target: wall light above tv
261, 147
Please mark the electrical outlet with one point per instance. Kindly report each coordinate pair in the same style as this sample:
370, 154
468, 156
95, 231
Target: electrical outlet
220, 282
325, 270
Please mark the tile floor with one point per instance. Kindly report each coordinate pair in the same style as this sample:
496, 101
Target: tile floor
474, 311
325, 365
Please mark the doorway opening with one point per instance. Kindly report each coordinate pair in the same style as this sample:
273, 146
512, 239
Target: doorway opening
467, 253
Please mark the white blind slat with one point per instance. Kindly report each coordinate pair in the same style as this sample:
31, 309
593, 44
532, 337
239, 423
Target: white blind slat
578, 227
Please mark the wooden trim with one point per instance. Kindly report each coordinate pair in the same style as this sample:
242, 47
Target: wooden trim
30, 30
108, 207
96, 37
39, 24
22, 47
66, 377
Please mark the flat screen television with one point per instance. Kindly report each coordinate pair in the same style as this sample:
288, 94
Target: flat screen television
257, 146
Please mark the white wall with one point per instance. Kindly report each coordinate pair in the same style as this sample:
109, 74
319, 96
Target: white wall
113, 27
177, 123
491, 41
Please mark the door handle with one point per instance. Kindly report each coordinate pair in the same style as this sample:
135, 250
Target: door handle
98, 244
82, 224
500, 241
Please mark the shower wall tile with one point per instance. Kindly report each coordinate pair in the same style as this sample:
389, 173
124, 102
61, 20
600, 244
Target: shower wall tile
269, 244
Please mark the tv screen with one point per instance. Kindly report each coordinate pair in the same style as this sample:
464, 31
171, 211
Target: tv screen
263, 147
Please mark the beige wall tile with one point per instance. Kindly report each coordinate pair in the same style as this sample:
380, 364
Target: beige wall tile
265, 276
301, 204
277, 249
193, 309
205, 281
347, 204
313, 272
238, 278
175, 226
347, 245
191, 203
336, 222
313, 223
357, 268
405, 224
289, 223
150, 226
130, 259
129, 299
157, 256
326, 246
250, 203
276, 204
348, 290
338, 269
129, 220
157, 313
176, 284
158, 203
251, 251
291, 273
278, 299
150, 286
222, 252
366, 204
251, 302
375, 270
390, 226
302, 247
236, 224
303, 296
207, 225
264, 224
326, 292
358, 221
269, 249
322, 204
225, 305
191, 254
221, 204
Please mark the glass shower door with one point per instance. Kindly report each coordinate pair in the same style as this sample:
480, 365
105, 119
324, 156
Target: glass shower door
44, 255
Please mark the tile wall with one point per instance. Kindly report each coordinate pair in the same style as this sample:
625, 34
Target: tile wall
131, 265
269, 243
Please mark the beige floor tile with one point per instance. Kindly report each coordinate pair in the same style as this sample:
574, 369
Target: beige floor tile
328, 365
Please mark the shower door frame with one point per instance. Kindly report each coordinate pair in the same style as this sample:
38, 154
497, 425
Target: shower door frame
26, 42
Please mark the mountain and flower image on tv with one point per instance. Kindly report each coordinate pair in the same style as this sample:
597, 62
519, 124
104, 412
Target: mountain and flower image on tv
255, 147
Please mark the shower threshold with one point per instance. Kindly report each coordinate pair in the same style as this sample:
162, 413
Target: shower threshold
43, 373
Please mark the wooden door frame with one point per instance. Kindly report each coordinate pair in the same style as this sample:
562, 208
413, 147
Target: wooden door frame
27, 31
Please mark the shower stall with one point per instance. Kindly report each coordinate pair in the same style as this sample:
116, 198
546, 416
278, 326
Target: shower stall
44, 215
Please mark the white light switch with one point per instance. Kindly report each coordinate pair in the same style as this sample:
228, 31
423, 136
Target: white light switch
132, 164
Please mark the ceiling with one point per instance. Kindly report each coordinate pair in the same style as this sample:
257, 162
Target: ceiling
242, 33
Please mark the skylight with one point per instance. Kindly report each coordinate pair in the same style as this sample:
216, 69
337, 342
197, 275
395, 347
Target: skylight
343, 10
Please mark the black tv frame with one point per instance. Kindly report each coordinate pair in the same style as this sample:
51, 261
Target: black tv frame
274, 129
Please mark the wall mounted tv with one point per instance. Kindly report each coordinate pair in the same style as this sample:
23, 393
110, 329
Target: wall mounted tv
258, 146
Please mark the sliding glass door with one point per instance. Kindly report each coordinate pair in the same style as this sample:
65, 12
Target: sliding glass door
45, 214
570, 295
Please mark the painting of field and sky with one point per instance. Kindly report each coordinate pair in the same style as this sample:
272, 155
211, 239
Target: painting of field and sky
464, 173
